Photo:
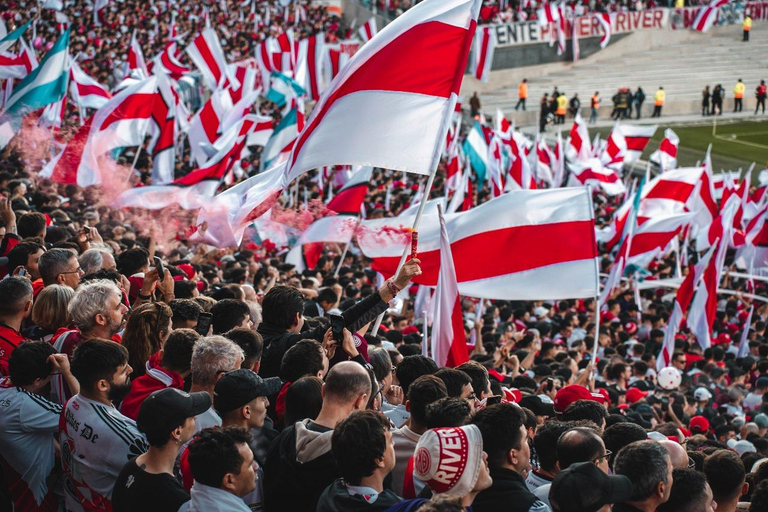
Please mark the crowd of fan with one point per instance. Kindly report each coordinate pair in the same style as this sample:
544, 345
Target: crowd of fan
158, 374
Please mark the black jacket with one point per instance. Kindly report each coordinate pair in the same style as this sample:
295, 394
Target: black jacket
335, 498
277, 340
508, 493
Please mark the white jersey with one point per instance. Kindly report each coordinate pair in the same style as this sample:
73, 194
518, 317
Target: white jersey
27, 424
96, 442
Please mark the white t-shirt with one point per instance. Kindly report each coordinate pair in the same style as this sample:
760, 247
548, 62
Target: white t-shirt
96, 442
27, 425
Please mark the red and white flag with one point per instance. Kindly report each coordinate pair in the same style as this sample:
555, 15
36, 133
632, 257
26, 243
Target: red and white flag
136, 60
448, 343
546, 163
367, 30
744, 343
555, 227
576, 50
482, 53
86, 92
206, 53
205, 126
707, 15
403, 83
17, 66
309, 65
683, 299
604, 19
666, 156
547, 14
653, 238
578, 147
636, 138
592, 172
520, 174
168, 61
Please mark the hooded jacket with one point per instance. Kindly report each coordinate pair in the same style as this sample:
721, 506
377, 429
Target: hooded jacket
336, 498
299, 467
204, 498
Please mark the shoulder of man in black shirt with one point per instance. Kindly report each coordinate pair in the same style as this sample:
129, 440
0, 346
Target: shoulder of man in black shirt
135, 489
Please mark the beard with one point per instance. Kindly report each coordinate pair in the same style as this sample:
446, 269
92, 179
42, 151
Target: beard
119, 391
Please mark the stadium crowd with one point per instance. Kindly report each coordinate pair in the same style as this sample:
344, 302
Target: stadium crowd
154, 373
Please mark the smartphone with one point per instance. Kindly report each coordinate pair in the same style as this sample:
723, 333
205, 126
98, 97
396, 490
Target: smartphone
550, 384
337, 328
665, 404
22, 272
203, 324
159, 267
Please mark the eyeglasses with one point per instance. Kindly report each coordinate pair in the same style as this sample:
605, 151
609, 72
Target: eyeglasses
607, 454
691, 463
78, 271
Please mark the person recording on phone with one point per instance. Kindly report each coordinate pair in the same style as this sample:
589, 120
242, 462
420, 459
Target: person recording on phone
283, 311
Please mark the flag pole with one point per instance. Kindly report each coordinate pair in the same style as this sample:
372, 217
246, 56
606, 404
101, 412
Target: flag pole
346, 248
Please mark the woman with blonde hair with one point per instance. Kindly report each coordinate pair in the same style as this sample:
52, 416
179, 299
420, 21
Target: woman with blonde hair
49, 312
145, 333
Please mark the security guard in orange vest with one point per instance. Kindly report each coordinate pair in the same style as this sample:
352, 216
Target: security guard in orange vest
522, 94
746, 27
738, 96
658, 102
594, 106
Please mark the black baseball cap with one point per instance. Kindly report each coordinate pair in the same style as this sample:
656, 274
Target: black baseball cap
537, 406
166, 409
583, 487
237, 388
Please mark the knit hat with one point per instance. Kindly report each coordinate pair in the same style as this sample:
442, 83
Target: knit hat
448, 459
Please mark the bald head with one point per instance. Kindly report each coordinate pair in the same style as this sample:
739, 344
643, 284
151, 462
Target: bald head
346, 382
677, 454
580, 444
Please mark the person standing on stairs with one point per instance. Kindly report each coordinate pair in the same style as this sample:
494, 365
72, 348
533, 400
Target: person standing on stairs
658, 102
522, 94
594, 107
705, 96
639, 99
746, 27
738, 96
760, 94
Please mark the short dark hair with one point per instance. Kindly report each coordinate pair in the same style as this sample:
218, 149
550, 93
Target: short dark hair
448, 412
422, 392
16, 293
280, 305
585, 410
97, 359
184, 289
177, 351
250, 341
646, 464
478, 374
213, 453
413, 367
725, 473
228, 314
185, 309
500, 426
545, 442
304, 399
454, 380
31, 224
29, 361
52, 263
580, 444
132, 261
619, 435
327, 295
357, 442
304, 358
688, 492
19, 255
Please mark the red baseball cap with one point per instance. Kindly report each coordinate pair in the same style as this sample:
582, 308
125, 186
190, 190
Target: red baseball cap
699, 425
635, 394
569, 394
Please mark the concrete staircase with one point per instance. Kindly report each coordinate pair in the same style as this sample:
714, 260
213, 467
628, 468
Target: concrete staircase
682, 68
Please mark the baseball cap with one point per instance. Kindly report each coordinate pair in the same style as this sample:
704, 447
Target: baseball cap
743, 446
168, 408
537, 405
761, 420
583, 487
630, 327
699, 425
569, 394
762, 382
448, 459
635, 394
702, 394
237, 388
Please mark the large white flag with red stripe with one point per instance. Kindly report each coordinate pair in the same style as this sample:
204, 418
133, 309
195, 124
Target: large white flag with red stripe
136, 60
666, 156
449, 343
205, 51
482, 53
17, 65
636, 138
604, 19
309, 65
546, 237
653, 238
391, 104
206, 124
578, 147
86, 92
682, 301
592, 172
368, 30
707, 15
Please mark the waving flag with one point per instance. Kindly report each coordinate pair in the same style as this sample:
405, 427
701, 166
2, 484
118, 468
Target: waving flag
9, 39
206, 124
379, 93
309, 65
136, 60
476, 148
636, 138
449, 344
205, 51
666, 156
651, 239
604, 19
87, 92
283, 89
592, 173
46, 84
578, 147
682, 301
368, 30
169, 62
283, 138
707, 15
547, 237
16, 66
482, 54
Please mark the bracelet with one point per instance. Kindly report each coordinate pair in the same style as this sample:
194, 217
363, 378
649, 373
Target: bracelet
145, 297
392, 287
